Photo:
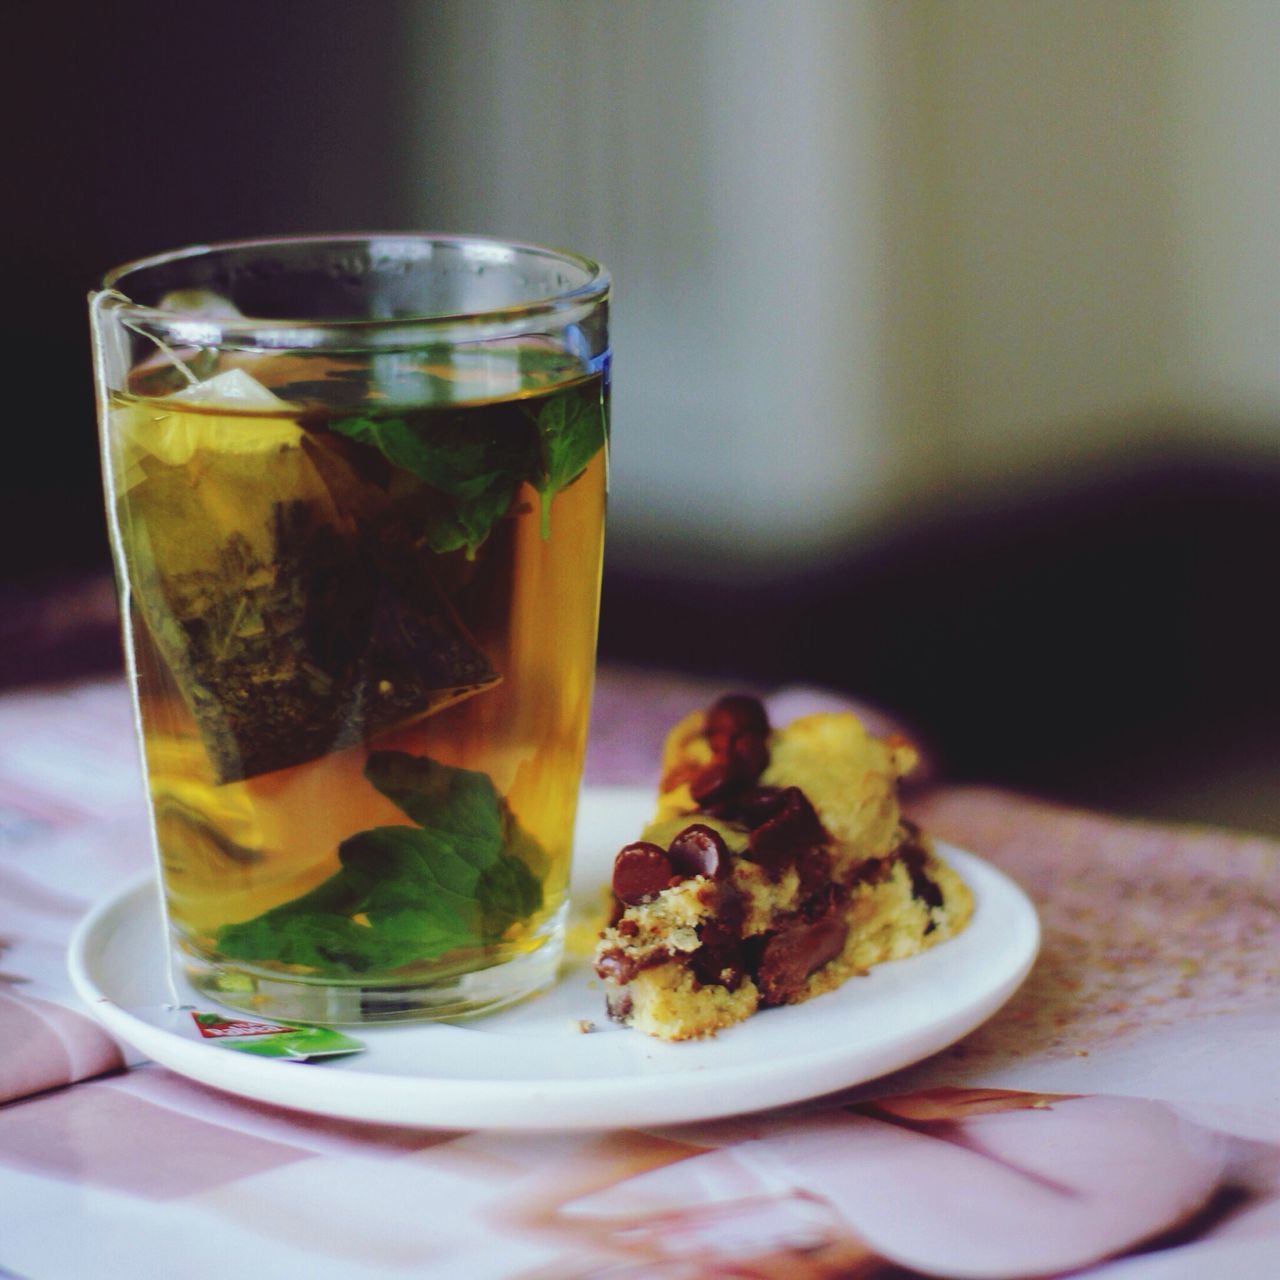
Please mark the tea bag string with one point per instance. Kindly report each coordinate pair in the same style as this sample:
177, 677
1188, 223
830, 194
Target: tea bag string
166, 350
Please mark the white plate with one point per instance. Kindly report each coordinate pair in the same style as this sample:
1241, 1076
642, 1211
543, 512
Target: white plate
531, 1067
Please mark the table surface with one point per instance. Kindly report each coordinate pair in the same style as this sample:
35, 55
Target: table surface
1121, 1114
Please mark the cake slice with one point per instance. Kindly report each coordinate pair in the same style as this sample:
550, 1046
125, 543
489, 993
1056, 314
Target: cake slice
777, 866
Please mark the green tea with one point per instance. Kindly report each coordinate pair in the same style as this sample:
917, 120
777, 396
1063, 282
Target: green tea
364, 654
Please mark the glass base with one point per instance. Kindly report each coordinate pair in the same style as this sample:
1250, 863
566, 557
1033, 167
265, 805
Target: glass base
458, 995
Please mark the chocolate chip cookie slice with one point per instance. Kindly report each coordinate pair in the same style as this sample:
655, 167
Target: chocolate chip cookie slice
778, 865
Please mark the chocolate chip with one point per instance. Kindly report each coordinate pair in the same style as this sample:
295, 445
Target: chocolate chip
872, 871
733, 772
737, 730
925, 889
814, 868
699, 851
640, 872
618, 966
792, 955
619, 1005
737, 713
915, 858
714, 784
782, 838
719, 960
615, 964
754, 806
748, 756
922, 887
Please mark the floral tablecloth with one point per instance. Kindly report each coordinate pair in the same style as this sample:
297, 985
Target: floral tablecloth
1120, 1117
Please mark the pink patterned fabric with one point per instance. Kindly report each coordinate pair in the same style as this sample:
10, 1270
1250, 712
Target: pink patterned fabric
47, 1045
1145, 926
1120, 1114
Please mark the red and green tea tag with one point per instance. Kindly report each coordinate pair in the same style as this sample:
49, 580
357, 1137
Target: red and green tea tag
273, 1039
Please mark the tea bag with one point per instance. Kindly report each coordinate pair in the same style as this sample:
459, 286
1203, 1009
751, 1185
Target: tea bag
291, 628
200, 302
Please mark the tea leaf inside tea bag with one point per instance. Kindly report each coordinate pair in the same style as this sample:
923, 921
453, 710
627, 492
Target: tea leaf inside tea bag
291, 626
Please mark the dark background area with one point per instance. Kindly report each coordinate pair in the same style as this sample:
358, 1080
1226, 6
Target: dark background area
134, 129
1112, 645
1111, 642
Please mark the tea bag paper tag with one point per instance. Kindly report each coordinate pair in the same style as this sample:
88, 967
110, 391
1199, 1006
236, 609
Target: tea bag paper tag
288, 1041
292, 1041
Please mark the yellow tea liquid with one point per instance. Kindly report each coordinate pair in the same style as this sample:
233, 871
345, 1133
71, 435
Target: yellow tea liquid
363, 636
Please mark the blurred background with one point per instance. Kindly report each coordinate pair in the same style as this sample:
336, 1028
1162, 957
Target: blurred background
948, 334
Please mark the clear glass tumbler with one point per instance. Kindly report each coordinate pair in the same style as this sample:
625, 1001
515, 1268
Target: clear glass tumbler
356, 493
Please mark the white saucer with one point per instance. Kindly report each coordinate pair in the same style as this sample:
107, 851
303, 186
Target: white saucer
531, 1067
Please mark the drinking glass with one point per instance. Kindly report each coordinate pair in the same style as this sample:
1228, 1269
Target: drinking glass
356, 490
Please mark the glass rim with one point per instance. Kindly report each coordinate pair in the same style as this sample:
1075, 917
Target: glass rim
581, 297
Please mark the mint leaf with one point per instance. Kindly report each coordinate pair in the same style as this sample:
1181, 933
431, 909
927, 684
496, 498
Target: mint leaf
462, 803
571, 431
474, 474
387, 860
454, 461
468, 524
507, 892
463, 814
406, 894
316, 939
